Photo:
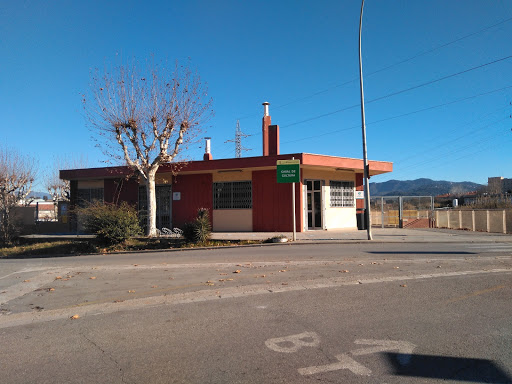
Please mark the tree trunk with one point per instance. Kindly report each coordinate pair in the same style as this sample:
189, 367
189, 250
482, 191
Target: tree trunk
151, 193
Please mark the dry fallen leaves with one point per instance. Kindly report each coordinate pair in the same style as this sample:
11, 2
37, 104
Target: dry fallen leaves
154, 286
223, 274
284, 283
92, 277
74, 317
237, 271
51, 289
344, 271
26, 281
403, 285
131, 291
396, 267
229, 279
283, 270
58, 278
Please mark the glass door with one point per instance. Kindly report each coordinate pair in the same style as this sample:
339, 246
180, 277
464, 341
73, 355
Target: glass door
314, 203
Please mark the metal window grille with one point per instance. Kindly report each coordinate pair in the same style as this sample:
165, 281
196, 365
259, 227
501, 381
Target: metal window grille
232, 194
342, 194
87, 196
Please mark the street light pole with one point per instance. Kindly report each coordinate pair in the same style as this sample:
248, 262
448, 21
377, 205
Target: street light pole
367, 217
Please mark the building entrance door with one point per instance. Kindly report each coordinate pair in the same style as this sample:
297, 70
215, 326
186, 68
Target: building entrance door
314, 203
163, 206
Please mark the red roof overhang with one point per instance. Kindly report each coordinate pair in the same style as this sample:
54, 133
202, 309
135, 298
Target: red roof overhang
306, 159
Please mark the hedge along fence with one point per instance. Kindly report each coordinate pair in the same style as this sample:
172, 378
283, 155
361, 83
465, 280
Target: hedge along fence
482, 220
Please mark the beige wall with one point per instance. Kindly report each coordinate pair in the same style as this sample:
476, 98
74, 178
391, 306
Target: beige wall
236, 220
83, 184
485, 220
320, 174
245, 175
163, 178
337, 217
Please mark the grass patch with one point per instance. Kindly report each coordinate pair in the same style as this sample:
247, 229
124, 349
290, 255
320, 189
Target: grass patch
81, 247
49, 249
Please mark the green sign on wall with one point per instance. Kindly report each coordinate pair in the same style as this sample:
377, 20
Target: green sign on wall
288, 171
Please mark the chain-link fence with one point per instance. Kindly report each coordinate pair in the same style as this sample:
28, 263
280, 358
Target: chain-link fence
402, 211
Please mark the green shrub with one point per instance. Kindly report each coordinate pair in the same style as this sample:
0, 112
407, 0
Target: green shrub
200, 229
111, 223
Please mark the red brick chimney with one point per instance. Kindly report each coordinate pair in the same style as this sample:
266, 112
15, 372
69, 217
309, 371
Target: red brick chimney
270, 134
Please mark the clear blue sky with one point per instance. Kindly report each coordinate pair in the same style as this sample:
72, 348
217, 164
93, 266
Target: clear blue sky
301, 56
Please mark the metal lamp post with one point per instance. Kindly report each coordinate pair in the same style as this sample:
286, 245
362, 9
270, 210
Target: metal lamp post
365, 158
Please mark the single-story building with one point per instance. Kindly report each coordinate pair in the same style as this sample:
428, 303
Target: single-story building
242, 194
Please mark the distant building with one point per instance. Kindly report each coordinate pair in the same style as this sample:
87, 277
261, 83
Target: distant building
499, 185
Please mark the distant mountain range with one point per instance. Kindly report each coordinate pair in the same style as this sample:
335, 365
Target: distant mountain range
39, 195
421, 187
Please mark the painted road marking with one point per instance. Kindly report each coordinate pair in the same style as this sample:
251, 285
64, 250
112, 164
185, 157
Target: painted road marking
292, 343
403, 347
282, 344
345, 362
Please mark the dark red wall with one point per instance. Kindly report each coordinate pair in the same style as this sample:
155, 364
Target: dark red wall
359, 187
196, 192
272, 203
118, 190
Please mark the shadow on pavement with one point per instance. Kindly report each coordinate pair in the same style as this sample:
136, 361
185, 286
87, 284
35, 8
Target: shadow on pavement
448, 368
422, 252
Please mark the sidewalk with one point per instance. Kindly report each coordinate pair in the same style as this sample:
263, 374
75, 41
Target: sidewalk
382, 235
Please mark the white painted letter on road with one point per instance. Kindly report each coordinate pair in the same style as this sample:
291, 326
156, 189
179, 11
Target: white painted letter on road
345, 362
293, 343
404, 348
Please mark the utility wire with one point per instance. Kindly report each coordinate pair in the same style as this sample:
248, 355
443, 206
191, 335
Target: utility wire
400, 92
430, 161
422, 53
402, 115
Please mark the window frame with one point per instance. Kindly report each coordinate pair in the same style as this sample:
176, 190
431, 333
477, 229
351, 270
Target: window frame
342, 194
93, 194
236, 194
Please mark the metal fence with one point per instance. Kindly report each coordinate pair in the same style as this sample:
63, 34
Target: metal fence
402, 211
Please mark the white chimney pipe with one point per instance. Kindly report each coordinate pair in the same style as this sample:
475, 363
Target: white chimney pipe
207, 145
265, 108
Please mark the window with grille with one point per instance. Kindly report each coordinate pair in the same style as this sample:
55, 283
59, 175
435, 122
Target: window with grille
342, 194
89, 195
232, 194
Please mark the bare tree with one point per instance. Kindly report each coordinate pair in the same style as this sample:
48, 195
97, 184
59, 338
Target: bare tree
58, 188
17, 173
150, 116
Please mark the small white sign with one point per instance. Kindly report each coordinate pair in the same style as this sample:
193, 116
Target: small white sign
176, 196
359, 195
